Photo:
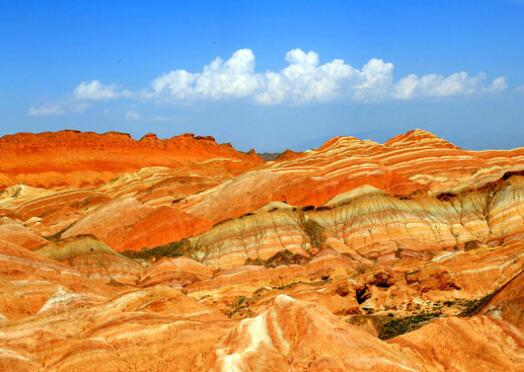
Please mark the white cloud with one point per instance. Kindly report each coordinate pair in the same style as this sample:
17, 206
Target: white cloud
220, 79
95, 90
434, 85
304, 79
376, 78
46, 110
133, 115
57, 108
500, 84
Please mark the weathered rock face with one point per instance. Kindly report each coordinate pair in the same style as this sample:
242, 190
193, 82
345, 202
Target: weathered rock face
372, 224
480, 342
415, 163
508, 302
407, 255
16, 232
287, 337
72, 158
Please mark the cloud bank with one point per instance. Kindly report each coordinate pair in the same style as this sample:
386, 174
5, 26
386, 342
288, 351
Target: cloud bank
303, 80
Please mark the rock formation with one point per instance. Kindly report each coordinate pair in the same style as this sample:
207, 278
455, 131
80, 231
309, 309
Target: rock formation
407, 255
82, 159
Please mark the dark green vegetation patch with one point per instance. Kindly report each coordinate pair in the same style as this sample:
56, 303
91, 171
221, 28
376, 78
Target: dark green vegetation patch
285, 257
472, 307
173, 249
398, 326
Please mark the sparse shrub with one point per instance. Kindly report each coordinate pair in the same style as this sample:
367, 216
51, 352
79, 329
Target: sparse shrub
240, 308
240, 301
361, 269
256, 261
315, 232
396, 327
286, 257
174, 249
473, 244
472, 307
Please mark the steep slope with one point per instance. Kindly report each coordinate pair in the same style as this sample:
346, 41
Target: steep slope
300, 336
457, 344
508, 302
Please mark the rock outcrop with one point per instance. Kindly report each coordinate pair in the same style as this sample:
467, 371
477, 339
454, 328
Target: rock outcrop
82, 159
402, 256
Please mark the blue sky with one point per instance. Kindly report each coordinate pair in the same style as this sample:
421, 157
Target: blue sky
290, 73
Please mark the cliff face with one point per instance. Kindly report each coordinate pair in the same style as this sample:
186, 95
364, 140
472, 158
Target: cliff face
183, 254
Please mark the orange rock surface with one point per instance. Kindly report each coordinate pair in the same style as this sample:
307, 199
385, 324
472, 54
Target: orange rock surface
73, 158
415, 163
186, 255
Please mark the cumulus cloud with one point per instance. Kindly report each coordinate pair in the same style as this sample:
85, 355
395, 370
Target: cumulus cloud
376, 78
95, 90
434, 85
303, 79
220, 79
500, 84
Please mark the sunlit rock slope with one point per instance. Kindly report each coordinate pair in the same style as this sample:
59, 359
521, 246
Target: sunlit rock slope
186, 255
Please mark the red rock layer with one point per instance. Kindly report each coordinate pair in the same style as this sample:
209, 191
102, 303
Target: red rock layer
508, 302
479, 343
72, 158
415, 163
371, 224
415, 241
94, 317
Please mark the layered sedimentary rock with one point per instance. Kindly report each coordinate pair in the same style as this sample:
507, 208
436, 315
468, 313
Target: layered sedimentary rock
407, 255
508, 302
478, 343
372, 224
415, 163
16, 232
126, 224
286, 337
73, 158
